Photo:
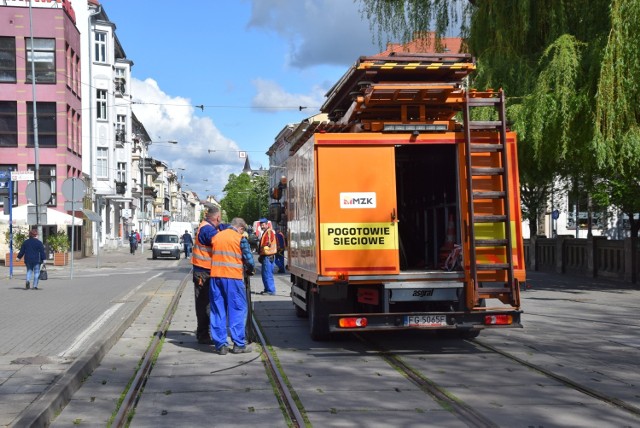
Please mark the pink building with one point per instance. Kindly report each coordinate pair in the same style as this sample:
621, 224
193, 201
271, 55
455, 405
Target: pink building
56, 49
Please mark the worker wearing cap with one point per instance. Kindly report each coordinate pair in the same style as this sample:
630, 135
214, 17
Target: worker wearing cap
268, 249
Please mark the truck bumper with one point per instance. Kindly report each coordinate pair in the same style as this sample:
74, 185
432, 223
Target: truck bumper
428, 321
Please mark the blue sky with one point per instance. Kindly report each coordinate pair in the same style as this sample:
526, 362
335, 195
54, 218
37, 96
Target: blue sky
250, 63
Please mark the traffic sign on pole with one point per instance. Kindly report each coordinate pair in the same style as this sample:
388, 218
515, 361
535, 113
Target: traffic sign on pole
22, 176
73, 189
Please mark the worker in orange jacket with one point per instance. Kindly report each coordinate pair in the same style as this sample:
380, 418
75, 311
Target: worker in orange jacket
201, 261
230, 258
267, 250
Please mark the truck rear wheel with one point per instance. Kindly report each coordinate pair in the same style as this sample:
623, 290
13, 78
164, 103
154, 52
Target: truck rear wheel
469, 334
318, 321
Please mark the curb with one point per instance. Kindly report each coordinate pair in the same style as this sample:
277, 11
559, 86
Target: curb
43, 410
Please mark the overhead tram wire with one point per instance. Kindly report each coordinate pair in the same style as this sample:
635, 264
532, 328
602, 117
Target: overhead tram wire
203, 106
65, 76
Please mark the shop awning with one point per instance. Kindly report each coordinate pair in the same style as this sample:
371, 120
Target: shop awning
54, 217
92, 216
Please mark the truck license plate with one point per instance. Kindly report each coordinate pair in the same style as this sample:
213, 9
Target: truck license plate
425, 320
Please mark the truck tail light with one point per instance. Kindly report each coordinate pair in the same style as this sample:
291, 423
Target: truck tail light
353, 322
498, 320
341, 277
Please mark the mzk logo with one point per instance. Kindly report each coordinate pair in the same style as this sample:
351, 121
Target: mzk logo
358, 200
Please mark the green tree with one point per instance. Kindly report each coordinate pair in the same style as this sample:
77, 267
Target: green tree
246, 197
617, 124
565, 65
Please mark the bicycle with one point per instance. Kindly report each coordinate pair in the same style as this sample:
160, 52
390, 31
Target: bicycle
454, 259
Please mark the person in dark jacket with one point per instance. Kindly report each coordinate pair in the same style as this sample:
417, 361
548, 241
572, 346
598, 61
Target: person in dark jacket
187, 241
33, 252
133, 242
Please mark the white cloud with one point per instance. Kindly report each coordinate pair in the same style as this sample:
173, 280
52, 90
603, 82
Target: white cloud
318, 31
269, 94
167, 118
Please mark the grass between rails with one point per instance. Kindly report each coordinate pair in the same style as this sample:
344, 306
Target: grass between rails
288, 385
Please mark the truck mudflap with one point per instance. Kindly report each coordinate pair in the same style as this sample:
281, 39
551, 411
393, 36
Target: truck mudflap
461, 321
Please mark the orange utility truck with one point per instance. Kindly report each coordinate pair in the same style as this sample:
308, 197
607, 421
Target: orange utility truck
402, 208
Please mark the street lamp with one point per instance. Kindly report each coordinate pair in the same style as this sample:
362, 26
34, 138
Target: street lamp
145, 148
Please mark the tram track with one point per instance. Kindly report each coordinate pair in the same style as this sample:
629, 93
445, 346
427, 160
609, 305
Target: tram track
465, 413
634, 410
133, 393
301, 374
282, 388
135, 390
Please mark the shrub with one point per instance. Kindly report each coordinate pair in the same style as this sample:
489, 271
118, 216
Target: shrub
58, 242
18, 238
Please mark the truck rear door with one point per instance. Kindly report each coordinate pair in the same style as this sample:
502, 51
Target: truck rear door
357, 209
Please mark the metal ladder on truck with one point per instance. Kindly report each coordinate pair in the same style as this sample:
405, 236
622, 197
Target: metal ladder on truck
490, 237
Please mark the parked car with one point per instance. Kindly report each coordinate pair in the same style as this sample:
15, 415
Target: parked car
166, 243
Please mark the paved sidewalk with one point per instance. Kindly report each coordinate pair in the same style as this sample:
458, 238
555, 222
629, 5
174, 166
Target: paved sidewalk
52, 338
111, 258
189, 382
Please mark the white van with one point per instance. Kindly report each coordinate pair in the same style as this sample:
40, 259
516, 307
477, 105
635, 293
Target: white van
166, 243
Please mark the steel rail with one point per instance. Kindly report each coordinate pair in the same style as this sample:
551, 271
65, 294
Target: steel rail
465, 413
135, 388
564, 380
285, 395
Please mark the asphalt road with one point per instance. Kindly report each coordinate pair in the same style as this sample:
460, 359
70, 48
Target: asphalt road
584, 329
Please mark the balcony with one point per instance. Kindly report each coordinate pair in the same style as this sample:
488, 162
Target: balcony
120, 86
150, 192
120, 137
136, 191
121, 187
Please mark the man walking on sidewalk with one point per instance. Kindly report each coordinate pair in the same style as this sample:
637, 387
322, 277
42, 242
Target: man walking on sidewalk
187, 241
33, 251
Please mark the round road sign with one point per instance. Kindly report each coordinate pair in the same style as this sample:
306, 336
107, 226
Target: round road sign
73, 189
45, 192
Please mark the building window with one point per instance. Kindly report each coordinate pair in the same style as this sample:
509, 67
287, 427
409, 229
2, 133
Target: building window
44, 54
102, 162
120, 82
8, 124
68, 65
7, 59
122, 172
9, 168
100, 53
47, 132
48, 175
101, 104
121, 128
76, 74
